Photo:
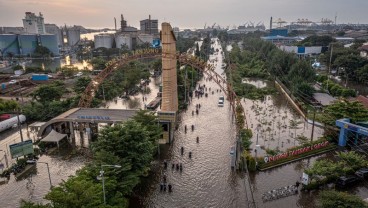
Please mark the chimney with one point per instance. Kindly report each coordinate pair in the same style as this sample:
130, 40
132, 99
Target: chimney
149, 23
270, 24
115, 23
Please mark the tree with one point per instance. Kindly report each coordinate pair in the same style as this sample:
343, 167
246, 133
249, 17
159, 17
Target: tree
345, 109
50, 92
78, 191
362, 74
8, 106
81, 84
98, 63
41, 51
197, 52
335, 199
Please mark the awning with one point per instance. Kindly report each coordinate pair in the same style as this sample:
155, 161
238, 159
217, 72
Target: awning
53, 136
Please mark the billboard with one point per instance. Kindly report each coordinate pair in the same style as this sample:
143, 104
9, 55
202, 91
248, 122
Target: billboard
156, 43
21, 149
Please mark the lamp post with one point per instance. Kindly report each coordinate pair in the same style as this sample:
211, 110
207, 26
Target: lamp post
256, 150
103, 178
6, 159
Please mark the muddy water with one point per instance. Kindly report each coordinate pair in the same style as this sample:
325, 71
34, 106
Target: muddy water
35, 187
207, 179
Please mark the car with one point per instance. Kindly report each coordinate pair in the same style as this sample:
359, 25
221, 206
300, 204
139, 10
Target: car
13, 81
232, 150
15, 76
345, 181
362, 173
78, 74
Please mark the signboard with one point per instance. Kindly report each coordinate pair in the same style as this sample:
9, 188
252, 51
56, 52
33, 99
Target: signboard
305, 179
94, 117
296, 152
21, 149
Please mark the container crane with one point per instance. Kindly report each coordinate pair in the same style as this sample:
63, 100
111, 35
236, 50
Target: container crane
280, 22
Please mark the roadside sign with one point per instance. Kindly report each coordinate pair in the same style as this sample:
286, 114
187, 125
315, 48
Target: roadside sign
305, 179
21, 149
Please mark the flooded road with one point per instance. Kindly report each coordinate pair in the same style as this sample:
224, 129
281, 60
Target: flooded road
207, 179
35, 187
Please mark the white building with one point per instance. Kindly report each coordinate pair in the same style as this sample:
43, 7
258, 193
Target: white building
34, 24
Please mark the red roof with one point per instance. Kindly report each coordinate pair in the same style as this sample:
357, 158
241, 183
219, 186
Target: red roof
364, 48
363, 100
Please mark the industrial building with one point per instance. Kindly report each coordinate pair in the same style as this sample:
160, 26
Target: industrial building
54, 29
25, 44
34, 24
128, 37
70, 35
149, 26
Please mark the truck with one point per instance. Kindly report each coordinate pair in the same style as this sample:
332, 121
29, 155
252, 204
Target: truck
9, 123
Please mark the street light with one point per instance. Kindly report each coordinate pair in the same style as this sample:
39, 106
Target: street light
48, 169
103, 178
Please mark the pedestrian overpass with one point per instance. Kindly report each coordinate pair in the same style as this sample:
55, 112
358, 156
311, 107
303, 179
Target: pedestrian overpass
356, 131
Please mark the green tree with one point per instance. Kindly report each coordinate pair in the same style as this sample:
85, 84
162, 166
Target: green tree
41, 51
362, 74
8, 106
50, 92
353, 110
335, 199
98, 63
78, 191
197, 52
81, 84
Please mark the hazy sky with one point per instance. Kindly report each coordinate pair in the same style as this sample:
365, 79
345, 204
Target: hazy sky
182, 13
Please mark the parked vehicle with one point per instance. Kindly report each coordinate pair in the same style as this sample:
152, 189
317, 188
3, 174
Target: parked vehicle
221, 101
345, 181
13, 81
79, 74
362, 173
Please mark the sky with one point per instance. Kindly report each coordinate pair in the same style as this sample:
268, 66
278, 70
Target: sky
182, 13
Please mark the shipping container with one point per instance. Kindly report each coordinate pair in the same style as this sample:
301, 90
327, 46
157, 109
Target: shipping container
40, 77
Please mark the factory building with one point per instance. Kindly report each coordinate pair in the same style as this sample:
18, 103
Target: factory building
54, 29
104, 40
123, 41
149, 26
25, 44
11, 30
34, 24
70, 35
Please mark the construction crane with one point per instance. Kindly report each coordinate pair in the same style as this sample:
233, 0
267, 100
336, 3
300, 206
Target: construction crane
280, 22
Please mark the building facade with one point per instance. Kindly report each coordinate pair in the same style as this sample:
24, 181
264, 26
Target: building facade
34, 24
149, 26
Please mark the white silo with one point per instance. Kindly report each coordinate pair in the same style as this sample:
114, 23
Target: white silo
104, 40
145, 38
121, 40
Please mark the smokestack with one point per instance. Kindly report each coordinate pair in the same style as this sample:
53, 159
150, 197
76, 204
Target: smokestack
115, 23
149, 23
270, 24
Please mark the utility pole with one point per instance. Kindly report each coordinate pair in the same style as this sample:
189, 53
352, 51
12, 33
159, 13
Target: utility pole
19, 126
314, 118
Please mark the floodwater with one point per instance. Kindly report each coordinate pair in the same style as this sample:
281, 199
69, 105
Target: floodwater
36, 186
207, 179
